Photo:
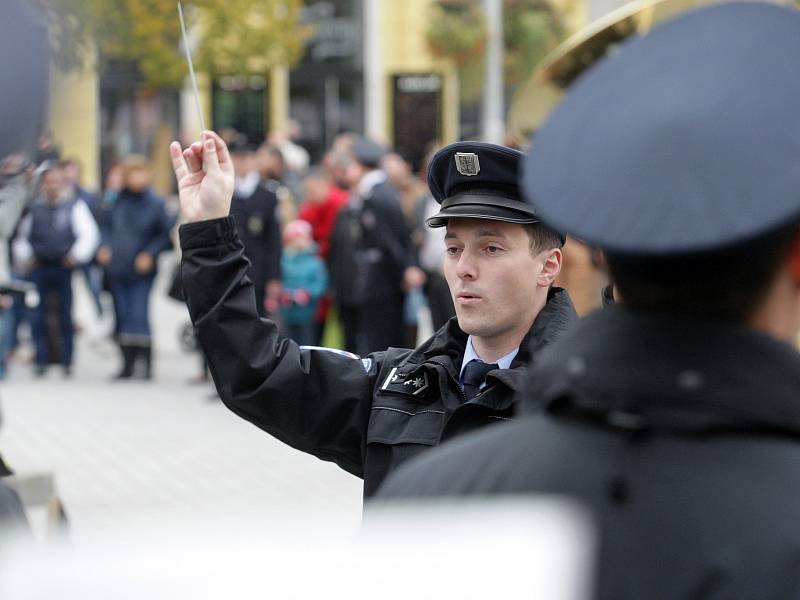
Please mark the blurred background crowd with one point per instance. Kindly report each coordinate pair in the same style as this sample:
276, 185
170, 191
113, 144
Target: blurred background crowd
298, 221
320, 102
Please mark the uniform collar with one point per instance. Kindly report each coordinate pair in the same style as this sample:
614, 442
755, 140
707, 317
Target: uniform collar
470, 354
369, 181
448, 345
667, 372
245, 185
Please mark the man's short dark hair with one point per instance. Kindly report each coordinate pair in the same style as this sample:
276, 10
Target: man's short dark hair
727, 284
542, 237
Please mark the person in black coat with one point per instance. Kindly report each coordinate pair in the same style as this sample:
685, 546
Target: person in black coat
369, 414
674, 415
371, 260
255, 208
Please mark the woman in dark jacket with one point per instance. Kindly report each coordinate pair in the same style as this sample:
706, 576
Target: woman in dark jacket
136, 230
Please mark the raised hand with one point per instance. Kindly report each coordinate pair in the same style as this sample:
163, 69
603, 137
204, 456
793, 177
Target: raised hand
205, 178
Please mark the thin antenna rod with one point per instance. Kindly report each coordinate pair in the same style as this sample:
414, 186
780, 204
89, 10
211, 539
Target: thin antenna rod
191, 67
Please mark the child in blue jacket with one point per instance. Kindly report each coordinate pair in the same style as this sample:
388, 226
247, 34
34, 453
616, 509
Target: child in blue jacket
305, 280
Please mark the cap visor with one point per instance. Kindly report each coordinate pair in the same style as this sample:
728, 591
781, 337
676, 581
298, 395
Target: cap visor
473, 211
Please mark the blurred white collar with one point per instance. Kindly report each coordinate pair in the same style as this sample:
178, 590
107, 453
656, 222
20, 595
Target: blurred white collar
369, 181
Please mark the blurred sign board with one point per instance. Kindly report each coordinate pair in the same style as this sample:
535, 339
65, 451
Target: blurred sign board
417, 113
337, 33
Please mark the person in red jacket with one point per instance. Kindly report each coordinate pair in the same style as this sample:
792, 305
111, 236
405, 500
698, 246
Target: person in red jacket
323, 199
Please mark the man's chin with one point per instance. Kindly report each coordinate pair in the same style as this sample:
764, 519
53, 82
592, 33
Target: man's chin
473, 327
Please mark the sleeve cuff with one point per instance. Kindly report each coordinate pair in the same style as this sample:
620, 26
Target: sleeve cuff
213, 232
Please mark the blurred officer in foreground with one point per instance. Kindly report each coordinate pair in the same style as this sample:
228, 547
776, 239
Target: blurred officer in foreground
369, 415
674, 415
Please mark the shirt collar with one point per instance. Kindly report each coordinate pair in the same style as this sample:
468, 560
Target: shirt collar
470, 354
369, 181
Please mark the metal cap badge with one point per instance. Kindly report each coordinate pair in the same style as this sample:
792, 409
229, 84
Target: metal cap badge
467, 163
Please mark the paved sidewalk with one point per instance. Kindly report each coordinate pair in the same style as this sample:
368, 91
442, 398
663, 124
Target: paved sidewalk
137, 451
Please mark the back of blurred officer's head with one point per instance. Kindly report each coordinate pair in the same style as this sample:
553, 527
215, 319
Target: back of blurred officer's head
136, 175
691, 194
733, 284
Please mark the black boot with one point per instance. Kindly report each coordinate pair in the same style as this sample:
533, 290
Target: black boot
146, 361
128, 357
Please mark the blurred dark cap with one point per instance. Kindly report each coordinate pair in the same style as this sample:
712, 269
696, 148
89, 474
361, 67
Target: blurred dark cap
368, 152
241, 146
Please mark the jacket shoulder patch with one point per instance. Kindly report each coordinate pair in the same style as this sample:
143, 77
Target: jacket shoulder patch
409, 384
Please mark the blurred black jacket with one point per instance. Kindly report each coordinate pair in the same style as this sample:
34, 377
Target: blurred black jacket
370, 249
682, 437
136, 222
260, 231
367, 415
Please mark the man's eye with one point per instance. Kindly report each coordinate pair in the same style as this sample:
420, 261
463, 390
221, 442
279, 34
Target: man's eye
493, 249
452, 251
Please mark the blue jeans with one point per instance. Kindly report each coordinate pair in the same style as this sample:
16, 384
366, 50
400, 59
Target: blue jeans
6, 332
131, 300
53, 281
94, 282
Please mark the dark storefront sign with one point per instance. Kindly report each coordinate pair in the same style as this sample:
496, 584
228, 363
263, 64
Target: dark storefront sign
417, 114
239, 102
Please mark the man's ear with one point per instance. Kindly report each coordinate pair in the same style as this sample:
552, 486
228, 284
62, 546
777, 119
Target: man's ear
551, 267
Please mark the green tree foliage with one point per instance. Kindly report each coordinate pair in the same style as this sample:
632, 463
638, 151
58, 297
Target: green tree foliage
457, 31
229, 36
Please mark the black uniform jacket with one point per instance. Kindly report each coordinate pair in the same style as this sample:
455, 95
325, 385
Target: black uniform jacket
260, 231
682, 437
370, 249
366, 415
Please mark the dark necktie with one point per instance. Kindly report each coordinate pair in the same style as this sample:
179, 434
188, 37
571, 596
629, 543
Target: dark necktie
474, 375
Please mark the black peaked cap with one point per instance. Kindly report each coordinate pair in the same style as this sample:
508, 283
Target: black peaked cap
478, 180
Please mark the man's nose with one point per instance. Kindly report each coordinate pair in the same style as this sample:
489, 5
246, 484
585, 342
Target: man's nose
466, 268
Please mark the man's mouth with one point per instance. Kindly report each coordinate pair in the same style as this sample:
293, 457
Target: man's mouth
465, 298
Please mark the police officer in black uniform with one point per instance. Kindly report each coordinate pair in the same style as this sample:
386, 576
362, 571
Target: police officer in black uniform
675, 415
370, 414
371, 258
255, 208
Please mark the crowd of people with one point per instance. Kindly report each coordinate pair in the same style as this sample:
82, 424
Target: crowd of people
339, 246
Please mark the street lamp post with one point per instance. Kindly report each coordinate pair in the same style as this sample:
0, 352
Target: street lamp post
493, 121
